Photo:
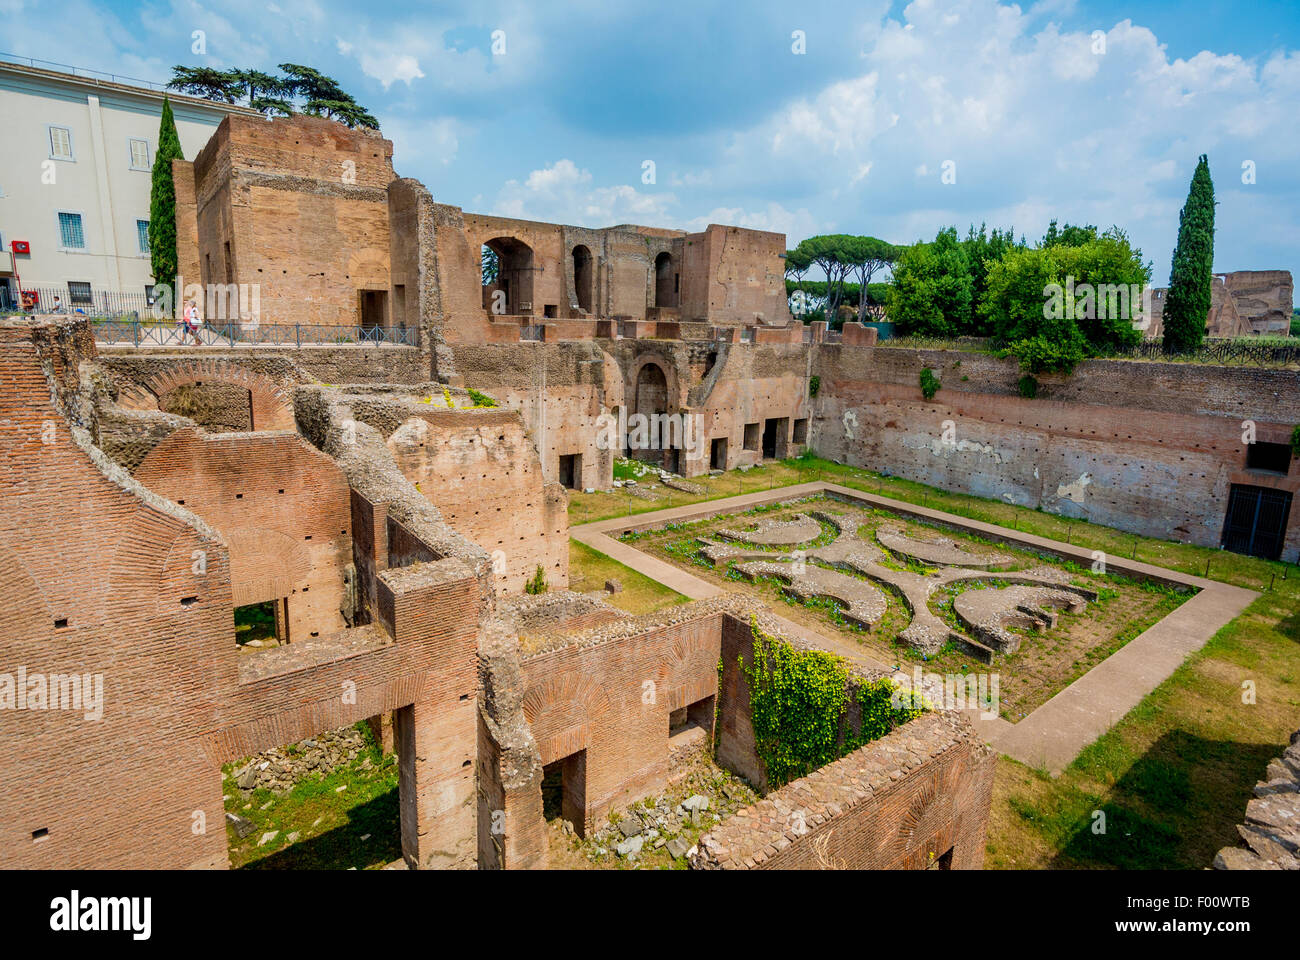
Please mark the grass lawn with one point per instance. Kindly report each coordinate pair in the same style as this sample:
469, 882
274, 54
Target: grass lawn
589, 569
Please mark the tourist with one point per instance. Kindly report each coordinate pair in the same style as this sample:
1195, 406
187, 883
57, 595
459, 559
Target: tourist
193, 322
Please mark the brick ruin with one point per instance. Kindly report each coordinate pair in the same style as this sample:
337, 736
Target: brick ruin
392, 519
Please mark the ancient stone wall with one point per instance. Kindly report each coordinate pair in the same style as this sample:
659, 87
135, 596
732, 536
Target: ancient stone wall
1152, 448
1270, 837
605, 697
298, 206
480, 470
281, 507
917, 798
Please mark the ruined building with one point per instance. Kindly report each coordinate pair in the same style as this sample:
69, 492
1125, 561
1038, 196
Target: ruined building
392, 518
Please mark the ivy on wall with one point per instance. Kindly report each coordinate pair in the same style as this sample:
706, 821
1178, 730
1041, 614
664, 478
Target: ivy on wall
798, 704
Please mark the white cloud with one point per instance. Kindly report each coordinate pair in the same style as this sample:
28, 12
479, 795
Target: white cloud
383, 63
564, 193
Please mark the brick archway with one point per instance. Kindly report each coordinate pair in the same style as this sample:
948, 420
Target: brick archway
271, 403
560, 710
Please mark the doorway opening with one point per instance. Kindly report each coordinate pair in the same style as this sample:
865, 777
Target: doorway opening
262, 625
718, 453
1256, 521
571, 470
564, 790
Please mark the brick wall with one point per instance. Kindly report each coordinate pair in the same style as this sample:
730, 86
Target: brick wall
1152, 448
281, 506
609, 693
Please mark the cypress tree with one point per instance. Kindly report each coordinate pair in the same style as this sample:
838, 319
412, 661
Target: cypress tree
162, 202
1188, 302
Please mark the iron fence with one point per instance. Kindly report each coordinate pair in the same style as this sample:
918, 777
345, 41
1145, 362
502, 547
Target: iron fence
162, 333
84, 299
1262, 353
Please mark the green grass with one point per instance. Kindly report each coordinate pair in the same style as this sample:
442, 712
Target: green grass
330, 822
1172, 777
589, 569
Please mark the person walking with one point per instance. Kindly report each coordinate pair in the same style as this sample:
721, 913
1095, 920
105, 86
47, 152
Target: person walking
193, 321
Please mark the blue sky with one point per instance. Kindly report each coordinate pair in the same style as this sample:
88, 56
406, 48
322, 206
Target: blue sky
1022, 104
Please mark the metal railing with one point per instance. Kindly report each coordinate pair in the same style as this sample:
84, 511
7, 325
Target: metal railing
84, 73
163, 333
90, 302
1264, 353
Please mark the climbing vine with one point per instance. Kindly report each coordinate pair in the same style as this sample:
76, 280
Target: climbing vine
798, 704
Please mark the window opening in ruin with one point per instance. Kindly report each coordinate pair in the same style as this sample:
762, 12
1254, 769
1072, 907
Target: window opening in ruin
665, 285
718, 454
651, 401
801, 431
943, 862
261, 625
507, 267
582, 277
709, 361
751, 435
1269, 457
549, 310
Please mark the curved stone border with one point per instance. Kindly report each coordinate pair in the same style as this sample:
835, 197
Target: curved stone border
1050, 737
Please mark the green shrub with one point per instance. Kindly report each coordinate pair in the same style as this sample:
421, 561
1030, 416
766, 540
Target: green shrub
814, 384
481, 399
1295, 440
799, 708
1028, 386
929, 383
538, 583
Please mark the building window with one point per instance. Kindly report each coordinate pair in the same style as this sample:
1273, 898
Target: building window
71, 234
79, 293
60, 143
142, 231
139, 154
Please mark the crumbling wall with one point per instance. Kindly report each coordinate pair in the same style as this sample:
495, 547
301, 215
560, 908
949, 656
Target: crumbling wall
1270, 837
1151, 448
609, 692
918, 798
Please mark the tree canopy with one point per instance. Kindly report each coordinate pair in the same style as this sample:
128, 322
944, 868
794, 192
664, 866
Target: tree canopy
839, 257
301, 89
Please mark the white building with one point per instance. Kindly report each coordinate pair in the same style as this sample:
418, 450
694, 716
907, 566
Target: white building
76, 156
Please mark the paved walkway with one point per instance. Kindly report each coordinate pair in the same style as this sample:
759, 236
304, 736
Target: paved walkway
1054, 734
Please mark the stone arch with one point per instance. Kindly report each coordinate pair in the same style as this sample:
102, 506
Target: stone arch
584, 278
687, 672
665, 280
265, 564
560, 710
271, 405
514, 275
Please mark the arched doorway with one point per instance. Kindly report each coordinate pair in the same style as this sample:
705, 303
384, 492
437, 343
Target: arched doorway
665, 281
652, 404
582, 277
507, 270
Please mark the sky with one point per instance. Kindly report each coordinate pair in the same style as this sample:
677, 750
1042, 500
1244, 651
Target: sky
868, 117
